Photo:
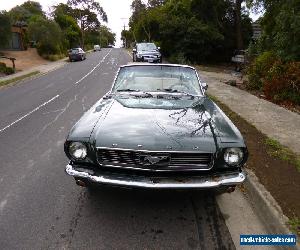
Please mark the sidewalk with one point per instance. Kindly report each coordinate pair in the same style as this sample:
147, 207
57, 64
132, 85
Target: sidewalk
272, 120
42, 69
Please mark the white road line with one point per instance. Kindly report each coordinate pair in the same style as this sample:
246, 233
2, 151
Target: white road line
93, 68
24, 116
52, 99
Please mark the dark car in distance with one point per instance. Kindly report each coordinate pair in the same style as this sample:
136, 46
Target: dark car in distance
156, 129
146, 52
76, 54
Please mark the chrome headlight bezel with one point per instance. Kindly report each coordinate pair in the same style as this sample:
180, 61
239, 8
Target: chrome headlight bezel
233, 156
77, 150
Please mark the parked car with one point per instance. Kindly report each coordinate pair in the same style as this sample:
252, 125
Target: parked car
146, 52
76, 54
157, 129
97, 48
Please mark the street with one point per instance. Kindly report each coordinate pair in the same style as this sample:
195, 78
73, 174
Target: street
42, 208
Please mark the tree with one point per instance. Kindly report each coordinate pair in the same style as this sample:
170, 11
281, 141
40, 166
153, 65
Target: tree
23, 12
127, 38
86, 12
62, 15
5, 28
155, 3
280, 28
238, 24
48, 35
103, 36
190, 30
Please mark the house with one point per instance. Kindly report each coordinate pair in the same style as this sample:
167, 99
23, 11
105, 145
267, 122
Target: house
17, 41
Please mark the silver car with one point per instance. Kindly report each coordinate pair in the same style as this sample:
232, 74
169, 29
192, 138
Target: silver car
76, 54
146, 52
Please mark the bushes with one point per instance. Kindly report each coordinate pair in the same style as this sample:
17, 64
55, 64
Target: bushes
282, 82
6, 70
258, 69
48, 35
279, 80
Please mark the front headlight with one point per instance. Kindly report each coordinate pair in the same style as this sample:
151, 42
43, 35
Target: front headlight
233, 156
77, 150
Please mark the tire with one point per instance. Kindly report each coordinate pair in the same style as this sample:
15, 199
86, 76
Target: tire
81, 58
133, 58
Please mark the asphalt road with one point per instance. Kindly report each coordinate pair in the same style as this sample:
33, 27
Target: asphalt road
42, 208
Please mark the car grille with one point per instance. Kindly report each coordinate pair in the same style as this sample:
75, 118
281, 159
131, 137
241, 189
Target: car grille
155, 161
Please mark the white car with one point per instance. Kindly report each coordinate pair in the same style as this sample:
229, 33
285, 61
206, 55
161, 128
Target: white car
97, 48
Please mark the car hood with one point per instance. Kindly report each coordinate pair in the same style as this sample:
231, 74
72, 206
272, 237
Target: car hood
156, 124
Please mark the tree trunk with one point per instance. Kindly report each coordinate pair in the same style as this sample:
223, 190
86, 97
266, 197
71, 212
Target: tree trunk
238, 24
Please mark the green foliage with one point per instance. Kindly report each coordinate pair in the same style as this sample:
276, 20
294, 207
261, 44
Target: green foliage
281, 28
127, 38
277, 73
103, 36
19, 78
279, 80
23, 12
6, 70
287, 31
70, 29
5, 28
282, 82
294, 225
281, 152
48, 35
188, 30
258, 70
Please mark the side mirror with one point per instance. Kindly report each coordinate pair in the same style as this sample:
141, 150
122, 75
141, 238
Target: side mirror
158, 48
204, 86
134, 50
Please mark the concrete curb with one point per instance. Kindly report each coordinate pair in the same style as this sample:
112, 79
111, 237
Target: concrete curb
266, 207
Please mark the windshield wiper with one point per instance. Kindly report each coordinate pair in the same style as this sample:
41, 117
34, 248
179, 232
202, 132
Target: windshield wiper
142, 93
128, 90
176, 91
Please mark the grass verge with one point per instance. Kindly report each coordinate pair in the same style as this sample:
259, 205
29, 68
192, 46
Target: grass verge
15, 79
295, 225
279, 151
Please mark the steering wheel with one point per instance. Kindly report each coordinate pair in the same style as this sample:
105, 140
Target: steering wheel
173, 86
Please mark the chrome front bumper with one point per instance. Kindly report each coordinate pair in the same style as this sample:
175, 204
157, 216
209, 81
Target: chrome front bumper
160, 183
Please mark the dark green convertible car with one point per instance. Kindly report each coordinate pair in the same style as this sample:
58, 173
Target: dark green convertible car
156, 129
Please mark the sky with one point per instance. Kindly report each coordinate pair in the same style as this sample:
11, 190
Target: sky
118, 11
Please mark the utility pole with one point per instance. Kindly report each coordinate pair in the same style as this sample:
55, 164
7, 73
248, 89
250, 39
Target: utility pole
124, 28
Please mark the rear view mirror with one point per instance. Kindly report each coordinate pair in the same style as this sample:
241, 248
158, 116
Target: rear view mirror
134, 50
204, 86
158, 48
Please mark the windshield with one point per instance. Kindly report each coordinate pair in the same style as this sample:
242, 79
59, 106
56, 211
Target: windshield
171, 79
146, 46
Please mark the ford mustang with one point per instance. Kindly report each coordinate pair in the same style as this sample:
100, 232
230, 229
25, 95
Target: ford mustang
156, 128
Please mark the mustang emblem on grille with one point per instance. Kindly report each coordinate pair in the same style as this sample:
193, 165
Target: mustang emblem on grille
155, 160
